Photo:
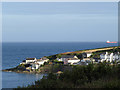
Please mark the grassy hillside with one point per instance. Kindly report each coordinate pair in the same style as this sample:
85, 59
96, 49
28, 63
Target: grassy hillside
79, 53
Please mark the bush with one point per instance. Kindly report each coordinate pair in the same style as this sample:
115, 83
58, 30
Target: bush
101, 75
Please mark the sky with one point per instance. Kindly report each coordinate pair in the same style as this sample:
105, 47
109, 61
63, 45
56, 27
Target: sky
59, 21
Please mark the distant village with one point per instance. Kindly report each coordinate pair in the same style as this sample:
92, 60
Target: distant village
33, 63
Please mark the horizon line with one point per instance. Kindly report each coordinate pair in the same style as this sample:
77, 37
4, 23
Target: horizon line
59, 0
54, 42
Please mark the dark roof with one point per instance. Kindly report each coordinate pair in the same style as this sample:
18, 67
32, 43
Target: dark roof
30, 58
67, 56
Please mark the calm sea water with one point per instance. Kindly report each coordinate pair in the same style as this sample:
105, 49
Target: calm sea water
14, 53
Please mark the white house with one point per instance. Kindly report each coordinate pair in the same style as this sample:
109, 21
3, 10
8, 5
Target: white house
35, 65
45, 59
111, 57
30, 60
88, 54
40, 62
73, 60
64, 57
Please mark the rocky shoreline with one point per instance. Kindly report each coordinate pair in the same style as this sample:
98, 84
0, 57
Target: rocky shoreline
42, 70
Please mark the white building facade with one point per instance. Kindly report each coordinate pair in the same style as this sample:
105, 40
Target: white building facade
72, 61
64, 57
89, 54
35, 66
109, 57
31, 60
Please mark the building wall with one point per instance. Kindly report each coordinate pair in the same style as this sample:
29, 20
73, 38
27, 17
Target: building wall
102, 56
89, 54
28, 61
46, 60
41, 62
35, 66
73, 61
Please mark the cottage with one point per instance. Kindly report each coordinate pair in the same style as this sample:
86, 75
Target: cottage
35, 65
40, 62
45, 59
88, 54
73, 60
64, 57
30, 60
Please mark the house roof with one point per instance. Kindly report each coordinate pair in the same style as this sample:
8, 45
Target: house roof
67, 56
30, 58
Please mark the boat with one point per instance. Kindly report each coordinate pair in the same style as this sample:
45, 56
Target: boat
110, 42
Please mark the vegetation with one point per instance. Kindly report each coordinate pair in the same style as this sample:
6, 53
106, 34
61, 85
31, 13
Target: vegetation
58, 62
91, 76
52, 57
80, 54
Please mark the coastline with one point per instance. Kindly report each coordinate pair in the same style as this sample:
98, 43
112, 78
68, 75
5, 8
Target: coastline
47, 68
28, 72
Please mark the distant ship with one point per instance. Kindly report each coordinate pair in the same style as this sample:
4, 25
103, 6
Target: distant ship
110, 42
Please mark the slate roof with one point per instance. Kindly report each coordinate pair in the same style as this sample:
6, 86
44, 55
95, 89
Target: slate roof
30, 58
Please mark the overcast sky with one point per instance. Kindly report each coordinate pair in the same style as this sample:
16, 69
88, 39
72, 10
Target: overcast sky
59, 22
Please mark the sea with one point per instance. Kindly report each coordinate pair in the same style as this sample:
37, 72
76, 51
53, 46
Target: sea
14, 53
